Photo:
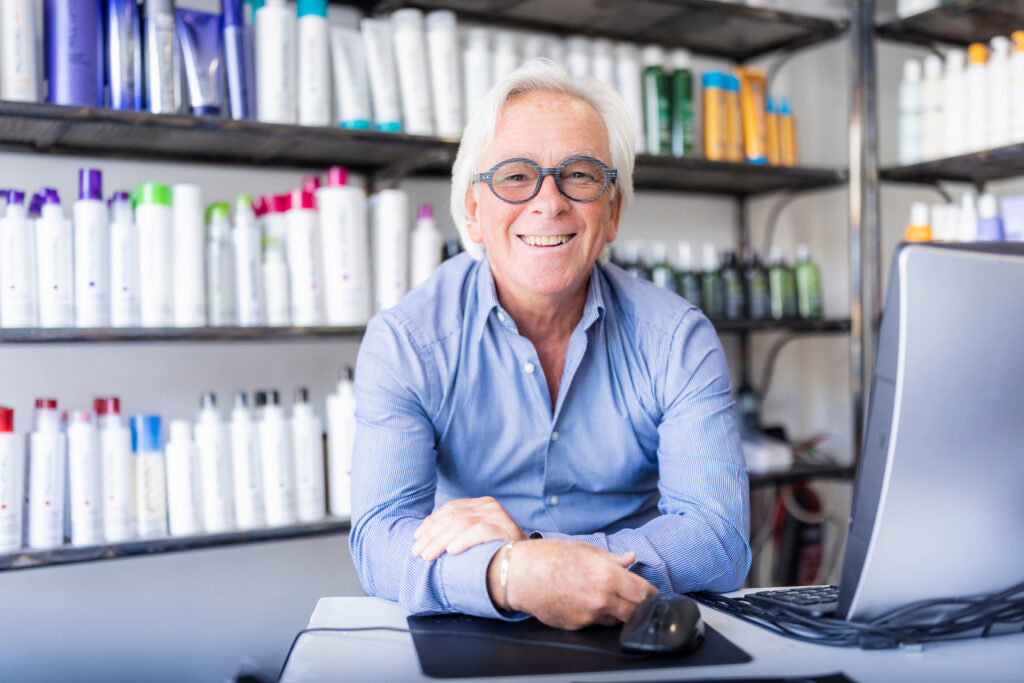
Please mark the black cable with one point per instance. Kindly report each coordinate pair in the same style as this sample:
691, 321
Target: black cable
471, 634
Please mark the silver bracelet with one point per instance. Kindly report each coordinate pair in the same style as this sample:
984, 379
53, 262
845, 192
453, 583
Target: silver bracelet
503, 575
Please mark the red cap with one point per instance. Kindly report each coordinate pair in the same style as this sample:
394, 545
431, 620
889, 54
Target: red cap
311, 183
6, 420
301, 199
107, 405
259, 206
337, 176
277, 203
48, 403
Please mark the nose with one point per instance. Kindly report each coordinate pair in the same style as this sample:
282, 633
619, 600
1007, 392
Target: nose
549, 201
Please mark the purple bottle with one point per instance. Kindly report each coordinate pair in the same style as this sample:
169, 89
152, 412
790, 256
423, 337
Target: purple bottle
237, 61
74, 51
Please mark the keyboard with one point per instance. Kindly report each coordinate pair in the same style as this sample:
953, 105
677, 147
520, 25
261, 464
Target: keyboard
817, 601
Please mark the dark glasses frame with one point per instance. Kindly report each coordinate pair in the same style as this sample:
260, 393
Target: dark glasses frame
610, 175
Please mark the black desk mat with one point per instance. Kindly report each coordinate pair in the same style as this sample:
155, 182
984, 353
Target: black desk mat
819, 678
443, 655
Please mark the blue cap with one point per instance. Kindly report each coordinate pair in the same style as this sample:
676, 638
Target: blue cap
15, 197
147, 437
769, 104
784, 107
233, 12
712, 79
316, 8
730, 83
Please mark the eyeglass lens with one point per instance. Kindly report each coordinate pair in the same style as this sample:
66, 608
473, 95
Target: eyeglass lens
516, 181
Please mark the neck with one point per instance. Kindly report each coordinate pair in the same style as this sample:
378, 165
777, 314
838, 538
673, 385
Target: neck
544, 316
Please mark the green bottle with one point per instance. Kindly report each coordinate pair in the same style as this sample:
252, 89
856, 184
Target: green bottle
662, 274
732, 283
681, 88
808, 284
781, 287
687, 279
711, 289
658, 134
631, 262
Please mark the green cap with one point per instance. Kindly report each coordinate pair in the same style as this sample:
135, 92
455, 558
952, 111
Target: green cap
243, 201
153, 193
317, 8
217, 209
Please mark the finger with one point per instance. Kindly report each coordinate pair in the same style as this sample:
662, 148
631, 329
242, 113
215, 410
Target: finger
477, 534
618, 609
432, 543
624, 559
634, 588
450, 509
607, 620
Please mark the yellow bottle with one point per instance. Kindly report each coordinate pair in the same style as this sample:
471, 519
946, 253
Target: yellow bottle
919, 229
755, 133
733, 119
715, 123
771, 126
787, 134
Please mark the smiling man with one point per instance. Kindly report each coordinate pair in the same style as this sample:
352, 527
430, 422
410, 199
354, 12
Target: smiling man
538, 434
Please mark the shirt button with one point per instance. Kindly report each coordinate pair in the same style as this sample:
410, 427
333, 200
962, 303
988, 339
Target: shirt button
501, 316
553, 501
554, 436
529, 368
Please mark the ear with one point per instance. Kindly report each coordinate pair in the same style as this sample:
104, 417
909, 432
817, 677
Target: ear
615, 211
472, 220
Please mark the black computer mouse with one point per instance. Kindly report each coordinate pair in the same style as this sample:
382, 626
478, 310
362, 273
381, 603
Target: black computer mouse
666, 623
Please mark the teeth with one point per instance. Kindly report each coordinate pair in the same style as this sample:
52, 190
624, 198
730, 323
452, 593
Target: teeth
545, 240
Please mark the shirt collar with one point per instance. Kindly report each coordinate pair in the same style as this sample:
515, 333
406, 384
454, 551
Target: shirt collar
487, 298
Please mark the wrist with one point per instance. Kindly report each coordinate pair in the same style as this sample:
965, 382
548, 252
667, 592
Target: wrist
498, 577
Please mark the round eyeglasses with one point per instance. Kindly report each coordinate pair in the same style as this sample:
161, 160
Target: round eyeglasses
579, 178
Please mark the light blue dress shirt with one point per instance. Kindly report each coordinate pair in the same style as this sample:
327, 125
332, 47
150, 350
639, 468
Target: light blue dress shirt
640, 453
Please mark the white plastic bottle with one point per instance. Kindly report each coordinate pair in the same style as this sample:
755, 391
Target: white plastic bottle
20, 74
445, 77
577, 55
54, 272
506, 55
213, 441
308, 447
188, 256
276, 458
184, 497
17, 265
124, 263
411, 59
910, 113
556, 49
476, 68
275, 62
220, 267
246, 466
427, 243
341, 434
954, 112
92, 271
12, 483
116, 465
303, 261
977, 97
155, 221
149, 476
85, 482
602, 63
47, 450
380, 65
248, 275
345, 246
161, 56
1017, 87
390, 209
967, 228
931, 100
314, 71
533, 47
276, 286
627, 76
999, 93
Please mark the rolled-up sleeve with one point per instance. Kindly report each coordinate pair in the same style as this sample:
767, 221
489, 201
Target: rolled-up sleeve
699, 541
394, 478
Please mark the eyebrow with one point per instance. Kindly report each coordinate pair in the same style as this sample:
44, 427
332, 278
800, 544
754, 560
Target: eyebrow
528, 155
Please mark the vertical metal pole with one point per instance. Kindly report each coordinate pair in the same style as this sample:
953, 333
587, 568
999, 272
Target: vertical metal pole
742, 246
865, 264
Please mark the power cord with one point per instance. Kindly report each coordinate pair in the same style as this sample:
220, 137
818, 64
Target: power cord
471, 634
917, 623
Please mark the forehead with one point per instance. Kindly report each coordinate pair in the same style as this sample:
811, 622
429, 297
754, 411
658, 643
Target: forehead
547, 127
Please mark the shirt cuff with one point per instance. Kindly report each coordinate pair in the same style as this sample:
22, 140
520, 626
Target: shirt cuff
465, 582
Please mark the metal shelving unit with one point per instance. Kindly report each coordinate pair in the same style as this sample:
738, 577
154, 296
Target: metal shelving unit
77, 335
803, 472
977, 168
959, 22
26, 559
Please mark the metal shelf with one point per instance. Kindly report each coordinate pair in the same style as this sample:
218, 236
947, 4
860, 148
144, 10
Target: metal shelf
803, 472
27, 559
810, 326
959, 22
693, 174
729, 30
41, 335
977, 168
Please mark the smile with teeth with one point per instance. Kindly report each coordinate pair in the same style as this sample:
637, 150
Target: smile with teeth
546, 240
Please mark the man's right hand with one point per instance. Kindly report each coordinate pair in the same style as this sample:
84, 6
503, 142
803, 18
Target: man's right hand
569, 584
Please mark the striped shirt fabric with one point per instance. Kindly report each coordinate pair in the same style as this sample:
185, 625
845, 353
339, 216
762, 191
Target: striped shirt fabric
640, 453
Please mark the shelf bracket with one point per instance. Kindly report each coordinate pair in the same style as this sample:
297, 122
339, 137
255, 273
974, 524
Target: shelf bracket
773, 218
390, 176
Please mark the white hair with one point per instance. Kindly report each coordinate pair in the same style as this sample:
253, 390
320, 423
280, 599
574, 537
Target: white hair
541, 75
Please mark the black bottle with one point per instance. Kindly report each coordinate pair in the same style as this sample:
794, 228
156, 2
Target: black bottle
755, 285
687, 279
631, 262
732, 284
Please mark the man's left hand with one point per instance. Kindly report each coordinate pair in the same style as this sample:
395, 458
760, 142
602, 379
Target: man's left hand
458, 525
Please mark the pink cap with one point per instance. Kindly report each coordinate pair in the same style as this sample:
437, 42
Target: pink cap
311, 183
277, 203
81, 416
107, 405
47, 403
301, 199
337, 176
426, 211
6, 420
259, 205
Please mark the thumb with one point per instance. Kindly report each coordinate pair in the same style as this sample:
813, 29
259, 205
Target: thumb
624, 559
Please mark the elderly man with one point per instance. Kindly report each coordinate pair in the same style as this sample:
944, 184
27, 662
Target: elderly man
538, 434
